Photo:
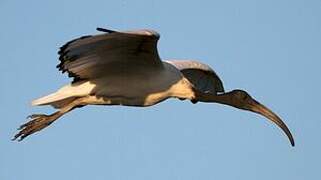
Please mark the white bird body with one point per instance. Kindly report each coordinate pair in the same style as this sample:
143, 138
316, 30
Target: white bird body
124, 89
124, 68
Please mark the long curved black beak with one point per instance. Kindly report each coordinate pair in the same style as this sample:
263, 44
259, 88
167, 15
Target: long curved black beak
259, 108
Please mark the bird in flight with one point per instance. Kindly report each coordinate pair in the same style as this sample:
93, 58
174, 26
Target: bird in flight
124, 68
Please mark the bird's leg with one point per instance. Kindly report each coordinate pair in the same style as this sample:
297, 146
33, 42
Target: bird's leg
37, 122
40, 121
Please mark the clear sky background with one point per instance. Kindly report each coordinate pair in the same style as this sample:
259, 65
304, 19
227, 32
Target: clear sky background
272, 49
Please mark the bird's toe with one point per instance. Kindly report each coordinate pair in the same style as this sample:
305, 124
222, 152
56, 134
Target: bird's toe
37, 122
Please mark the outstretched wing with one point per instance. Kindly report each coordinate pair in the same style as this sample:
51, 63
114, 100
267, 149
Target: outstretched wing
200, 75
94, 56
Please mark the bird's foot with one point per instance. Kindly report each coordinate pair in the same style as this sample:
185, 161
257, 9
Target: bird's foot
37, 122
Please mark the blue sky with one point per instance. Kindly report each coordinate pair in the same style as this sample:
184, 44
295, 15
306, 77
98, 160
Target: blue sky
269, 48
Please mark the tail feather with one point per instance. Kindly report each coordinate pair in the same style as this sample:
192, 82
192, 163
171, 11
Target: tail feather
69, 92
48, 99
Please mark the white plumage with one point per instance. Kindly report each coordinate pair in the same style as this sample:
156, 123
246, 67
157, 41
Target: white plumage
124, 68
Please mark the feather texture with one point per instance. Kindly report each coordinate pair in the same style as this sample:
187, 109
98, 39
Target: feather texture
200, 75
94, 56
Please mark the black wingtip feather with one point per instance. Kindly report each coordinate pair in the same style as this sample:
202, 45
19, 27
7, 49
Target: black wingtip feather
105, 30
63, 57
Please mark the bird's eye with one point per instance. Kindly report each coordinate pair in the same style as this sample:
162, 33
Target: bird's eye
244, 97
241, 95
